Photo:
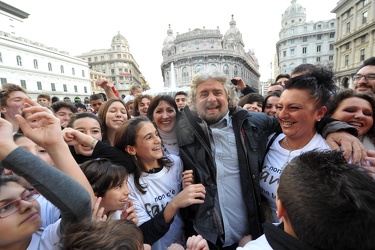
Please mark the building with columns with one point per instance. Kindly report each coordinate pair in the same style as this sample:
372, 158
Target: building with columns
355, 38
207, 49
116, 64
303, 42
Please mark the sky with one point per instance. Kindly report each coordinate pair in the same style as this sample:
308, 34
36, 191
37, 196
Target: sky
81, 26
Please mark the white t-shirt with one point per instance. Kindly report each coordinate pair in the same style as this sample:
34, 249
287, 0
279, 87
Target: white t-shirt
275, 161
46, 239
48, 212
162, 187
261, 243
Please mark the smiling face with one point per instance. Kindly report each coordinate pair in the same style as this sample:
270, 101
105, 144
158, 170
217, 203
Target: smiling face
356, 112
88, 126
147, 145
164, 116
211, 101
253, 107
143, 106
271, 105
19, 226
116, 197
363, 85
297, 114
116, 115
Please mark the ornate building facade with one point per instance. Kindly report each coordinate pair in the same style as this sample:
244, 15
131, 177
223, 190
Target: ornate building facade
36, 67
204, 49
303, 42
355, 38
116, 64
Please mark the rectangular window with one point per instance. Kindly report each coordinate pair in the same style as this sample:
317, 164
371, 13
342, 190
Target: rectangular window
112, 71
330, 58
348, 27
331, 35
318, 48
83, 73
304, 50
3, 81
23, 84
365, 2
75, 88
95, 59
319, 26
346, 60
363, 39
85, 89
73, 72
53, 87
318, 59
197, 45
102, 58
304, 39
292, 31
347, 46
305, 29
65, 88
89, 59
319, 37
364, 17
362, 55
39, 85
291, 41
292, 52
304, 61
118, 56
331, 47
284, 53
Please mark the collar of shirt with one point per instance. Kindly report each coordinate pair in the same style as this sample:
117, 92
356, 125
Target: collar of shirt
226, 121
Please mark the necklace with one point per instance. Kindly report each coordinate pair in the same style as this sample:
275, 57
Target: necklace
290, 151
287, 144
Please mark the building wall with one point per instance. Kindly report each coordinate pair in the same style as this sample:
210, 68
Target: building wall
355, 39
304, 42
69, 75
203, 49
116, 64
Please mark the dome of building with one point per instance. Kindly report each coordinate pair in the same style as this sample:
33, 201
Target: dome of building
119, 39
233, 33
293, 15
169, 40
294, 9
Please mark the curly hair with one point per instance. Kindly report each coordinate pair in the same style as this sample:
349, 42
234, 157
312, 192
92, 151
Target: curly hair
219, 76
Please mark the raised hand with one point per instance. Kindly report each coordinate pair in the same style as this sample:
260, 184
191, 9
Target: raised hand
129, 212
98, 214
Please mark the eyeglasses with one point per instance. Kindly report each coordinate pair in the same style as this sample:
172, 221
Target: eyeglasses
14, 206
367, 77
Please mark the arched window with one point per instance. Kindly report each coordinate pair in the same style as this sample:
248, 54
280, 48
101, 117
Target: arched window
213, 67
35, 64
49, 67
226, 69
185, 74
235, 71
198, 68
19, 61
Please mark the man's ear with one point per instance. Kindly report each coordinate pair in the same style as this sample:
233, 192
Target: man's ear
130, 150
280, 210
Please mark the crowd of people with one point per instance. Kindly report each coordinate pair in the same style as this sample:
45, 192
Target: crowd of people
220, 167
